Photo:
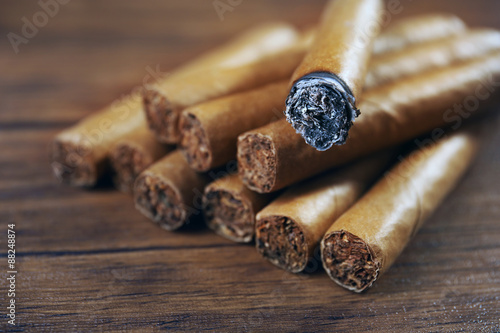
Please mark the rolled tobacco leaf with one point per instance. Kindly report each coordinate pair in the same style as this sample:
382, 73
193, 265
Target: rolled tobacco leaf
365, 241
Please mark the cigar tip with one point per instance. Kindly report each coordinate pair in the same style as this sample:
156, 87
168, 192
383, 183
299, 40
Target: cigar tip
128, 162
280, 240
349, 261
161, 117
194, 144
159, 201
257, 162
72, 163
229, 215
321, 108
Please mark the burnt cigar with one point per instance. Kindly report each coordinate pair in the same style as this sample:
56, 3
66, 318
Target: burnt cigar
321, 105
169, 192
274, 156
209, 130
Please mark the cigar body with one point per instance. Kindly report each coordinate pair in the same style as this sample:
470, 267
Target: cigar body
80, 154
321, 105
431, 55
290, 228
364, 242
230, 208
134, 153
273, 156
169, 192
418, 29
210, 130
164, 101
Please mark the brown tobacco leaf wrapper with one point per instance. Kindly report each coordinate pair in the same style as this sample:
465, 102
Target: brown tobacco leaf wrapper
431, 55
169, 192
290, 228
230, 208
321, 105
364, 242
80, 154
164, 101
210, 130
416, 30
273, 157
131, 155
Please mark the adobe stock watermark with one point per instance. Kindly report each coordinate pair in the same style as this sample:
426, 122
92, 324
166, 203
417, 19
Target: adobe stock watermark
30, 28
11, 273
223, 6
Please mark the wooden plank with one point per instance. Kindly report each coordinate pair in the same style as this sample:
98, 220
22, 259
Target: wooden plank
230, 287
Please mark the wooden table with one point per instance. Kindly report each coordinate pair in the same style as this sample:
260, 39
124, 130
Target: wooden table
88, 261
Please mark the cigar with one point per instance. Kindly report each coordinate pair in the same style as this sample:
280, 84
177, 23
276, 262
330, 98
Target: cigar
209, 130
290, 228
321, 105
364, 242
431, 55
230, 208
80, 154
416, 30
134, 153
274, 156
169, 192
164, 101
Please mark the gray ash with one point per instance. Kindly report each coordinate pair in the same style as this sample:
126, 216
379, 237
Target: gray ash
321, 108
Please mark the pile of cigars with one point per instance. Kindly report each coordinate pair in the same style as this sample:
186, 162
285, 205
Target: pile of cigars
343, 138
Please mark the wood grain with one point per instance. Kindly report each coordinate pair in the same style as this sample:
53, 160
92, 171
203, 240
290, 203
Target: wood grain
88, 261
